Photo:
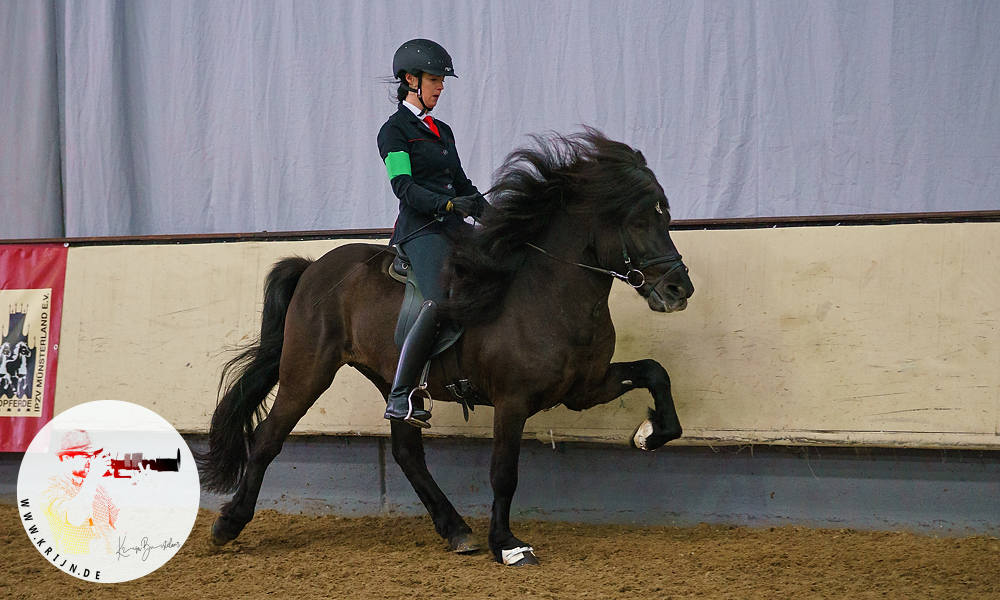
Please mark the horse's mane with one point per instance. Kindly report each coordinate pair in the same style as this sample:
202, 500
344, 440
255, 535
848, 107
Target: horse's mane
586, 174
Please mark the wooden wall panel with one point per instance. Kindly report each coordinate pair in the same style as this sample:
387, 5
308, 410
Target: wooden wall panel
871, 335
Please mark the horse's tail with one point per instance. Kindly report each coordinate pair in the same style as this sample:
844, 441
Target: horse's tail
248, 379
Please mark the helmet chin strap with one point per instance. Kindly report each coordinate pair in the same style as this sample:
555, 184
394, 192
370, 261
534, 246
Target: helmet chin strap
420, 96
419, 93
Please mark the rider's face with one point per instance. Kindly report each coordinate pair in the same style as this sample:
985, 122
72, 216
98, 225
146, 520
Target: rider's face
431, 88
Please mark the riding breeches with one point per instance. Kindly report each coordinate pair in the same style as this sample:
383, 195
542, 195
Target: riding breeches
427, 255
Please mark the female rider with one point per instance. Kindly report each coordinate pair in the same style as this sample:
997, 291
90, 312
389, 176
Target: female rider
435, 196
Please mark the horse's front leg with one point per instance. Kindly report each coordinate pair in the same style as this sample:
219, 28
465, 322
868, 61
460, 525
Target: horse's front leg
662, 424
508, 426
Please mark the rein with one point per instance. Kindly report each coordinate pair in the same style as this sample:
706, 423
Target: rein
634, 276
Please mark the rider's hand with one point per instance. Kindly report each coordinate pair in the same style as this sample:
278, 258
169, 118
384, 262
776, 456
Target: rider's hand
464, 206
481, 206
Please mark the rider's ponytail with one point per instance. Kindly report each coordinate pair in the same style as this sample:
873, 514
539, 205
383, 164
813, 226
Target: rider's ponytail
404, 88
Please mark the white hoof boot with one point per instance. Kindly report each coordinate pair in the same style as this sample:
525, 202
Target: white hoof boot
516, 555
642, 434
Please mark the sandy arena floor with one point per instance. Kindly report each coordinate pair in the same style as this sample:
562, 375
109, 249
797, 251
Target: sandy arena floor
288, 556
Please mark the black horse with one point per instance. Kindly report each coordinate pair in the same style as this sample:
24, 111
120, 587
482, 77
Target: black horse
531, 287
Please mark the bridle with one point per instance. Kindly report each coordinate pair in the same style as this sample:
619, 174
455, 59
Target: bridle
634, 275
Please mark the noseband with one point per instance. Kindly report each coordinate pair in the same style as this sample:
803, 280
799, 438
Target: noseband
634, 275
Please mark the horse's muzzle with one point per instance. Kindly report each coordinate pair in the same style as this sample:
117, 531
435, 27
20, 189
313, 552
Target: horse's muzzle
668, 297
657, 303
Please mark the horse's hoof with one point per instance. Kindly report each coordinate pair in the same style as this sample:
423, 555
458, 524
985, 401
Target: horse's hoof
216, 536
211, 548
519, 557
465, 543
640, 437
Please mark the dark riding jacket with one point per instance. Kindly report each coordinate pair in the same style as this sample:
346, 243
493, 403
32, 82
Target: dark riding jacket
425, 174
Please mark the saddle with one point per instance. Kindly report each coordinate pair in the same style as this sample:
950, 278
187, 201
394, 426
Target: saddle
448, 335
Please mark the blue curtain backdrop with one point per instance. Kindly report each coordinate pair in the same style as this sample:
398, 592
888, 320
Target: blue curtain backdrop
146, 117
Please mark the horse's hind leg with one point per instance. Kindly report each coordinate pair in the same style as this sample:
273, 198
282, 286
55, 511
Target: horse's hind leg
408, 450
290, 404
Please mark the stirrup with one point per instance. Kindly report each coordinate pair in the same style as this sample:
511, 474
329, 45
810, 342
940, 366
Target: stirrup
409, 418
422, 389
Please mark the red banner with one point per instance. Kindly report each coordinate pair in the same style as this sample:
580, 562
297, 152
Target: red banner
32, 278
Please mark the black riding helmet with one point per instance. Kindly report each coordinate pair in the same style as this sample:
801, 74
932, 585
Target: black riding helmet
421, 56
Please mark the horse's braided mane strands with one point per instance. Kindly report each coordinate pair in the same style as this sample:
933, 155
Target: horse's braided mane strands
586, 174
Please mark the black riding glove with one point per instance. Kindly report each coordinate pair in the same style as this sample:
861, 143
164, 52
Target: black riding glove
467, 206
481, 205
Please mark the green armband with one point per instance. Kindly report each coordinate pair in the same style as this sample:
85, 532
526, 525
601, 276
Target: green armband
397, 163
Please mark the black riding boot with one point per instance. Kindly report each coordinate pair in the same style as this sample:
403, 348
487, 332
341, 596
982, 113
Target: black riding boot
403, 404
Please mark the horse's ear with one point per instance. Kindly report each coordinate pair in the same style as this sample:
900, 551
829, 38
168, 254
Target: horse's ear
642, 159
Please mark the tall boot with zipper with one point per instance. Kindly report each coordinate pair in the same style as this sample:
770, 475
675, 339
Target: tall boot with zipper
403, 404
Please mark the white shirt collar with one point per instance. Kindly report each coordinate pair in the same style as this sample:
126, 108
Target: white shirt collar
416, 111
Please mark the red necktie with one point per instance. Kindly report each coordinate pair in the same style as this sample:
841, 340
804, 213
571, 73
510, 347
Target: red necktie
430, 123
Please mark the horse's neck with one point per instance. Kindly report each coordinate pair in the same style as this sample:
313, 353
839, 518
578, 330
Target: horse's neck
576, 291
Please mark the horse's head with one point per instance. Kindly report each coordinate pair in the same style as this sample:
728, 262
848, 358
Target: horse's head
637, 243
653, 265
576, 198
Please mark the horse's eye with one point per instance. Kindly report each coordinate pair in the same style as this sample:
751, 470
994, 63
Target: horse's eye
658, 209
